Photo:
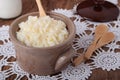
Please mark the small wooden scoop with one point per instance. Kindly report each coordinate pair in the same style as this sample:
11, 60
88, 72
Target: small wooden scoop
102, 37
99, 31
40, 7
106, 38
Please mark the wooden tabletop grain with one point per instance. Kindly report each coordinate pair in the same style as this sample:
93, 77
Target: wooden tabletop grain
30, 6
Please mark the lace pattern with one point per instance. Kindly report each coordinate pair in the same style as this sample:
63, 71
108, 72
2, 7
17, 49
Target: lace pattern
7, 53
107, 57
106, 60
81, 72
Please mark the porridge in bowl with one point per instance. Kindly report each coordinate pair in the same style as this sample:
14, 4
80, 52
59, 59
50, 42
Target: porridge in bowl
42, 32
39, 59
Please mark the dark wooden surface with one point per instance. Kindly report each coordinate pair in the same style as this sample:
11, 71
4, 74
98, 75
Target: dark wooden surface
30, 6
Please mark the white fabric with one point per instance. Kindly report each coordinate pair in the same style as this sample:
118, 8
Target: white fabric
81, 72
107, 60
7, 51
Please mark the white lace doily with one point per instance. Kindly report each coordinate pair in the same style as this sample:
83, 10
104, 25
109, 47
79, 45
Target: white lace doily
81, 72
7, 52
107, 59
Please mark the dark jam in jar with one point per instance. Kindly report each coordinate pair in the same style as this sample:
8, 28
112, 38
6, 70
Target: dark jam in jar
98, 10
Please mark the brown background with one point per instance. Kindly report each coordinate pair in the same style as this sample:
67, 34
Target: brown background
30, 6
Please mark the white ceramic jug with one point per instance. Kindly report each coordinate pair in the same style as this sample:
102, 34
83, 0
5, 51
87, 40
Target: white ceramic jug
10, 8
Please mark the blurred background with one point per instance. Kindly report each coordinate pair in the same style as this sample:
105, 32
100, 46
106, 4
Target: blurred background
30, 6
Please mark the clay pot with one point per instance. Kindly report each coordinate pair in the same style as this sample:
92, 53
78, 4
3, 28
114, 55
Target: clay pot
43, 61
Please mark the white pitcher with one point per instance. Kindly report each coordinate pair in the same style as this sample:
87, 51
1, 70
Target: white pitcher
10, 8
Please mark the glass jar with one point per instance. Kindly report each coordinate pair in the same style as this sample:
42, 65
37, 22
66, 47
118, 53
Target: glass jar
10, 8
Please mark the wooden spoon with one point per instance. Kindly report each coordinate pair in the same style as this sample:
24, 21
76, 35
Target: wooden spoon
40, 7
105, 39
100, 34
79, 60
99, 31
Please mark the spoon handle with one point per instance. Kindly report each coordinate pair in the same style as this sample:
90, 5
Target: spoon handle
79, 60
40, 7
90, 51
85, 56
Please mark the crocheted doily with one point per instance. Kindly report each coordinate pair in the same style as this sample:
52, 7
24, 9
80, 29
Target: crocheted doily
106, 57
8, 60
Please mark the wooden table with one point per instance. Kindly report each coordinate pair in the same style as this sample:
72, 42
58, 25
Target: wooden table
30, 6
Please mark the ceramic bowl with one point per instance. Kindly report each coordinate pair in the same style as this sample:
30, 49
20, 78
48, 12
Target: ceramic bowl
43, 61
